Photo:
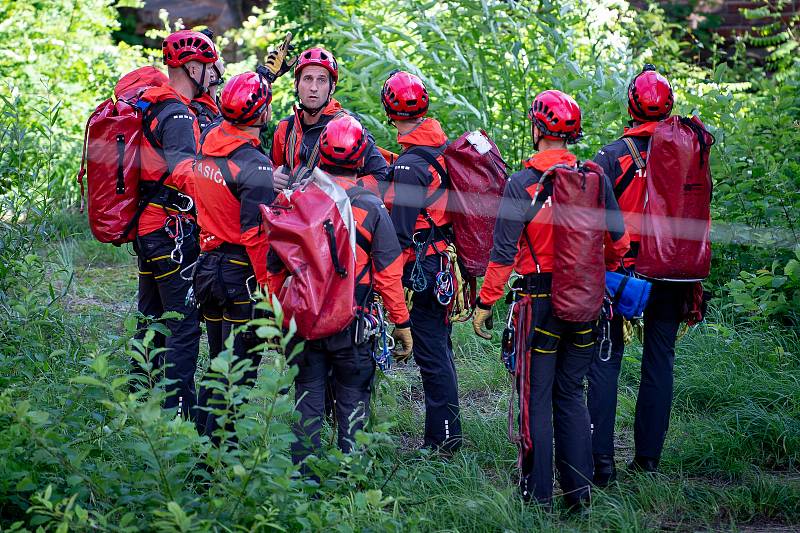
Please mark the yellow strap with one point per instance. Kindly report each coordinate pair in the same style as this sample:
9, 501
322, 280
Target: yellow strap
162, 207
240, 263
535, 295
212, 319
161, 276
540, 330
159, 258
539, 350
235, 321
247, 302
583, 345
145, 273
583, 332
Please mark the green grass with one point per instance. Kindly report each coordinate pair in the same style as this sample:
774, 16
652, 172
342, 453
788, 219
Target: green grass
731, 461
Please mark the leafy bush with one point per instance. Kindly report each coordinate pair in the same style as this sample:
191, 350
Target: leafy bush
767, 294
58, 55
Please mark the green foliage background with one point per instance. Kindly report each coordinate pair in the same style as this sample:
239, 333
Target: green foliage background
78, 451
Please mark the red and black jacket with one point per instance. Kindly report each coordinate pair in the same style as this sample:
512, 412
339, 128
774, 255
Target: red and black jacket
233, 177
510, 250
376, 247
416, 182
307, 138
168, 147
206, 111
630, 182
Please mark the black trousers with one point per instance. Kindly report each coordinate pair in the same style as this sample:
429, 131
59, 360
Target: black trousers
662, 319
433, 353
161, 289
221, 290
351, 381
561, 353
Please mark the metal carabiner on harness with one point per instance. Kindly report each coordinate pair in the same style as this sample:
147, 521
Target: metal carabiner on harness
250, 291
419, 282
183, 271
444, 287
188, 203
382, 349
507, 345
606, 315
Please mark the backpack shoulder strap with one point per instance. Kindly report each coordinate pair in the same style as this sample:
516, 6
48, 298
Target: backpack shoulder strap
149, 113
638, 164
443, 175
225, 169
361, 240
538, 202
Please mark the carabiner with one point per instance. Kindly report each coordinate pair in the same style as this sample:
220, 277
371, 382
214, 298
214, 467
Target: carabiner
177, 254
189, 203
249, 291
182, 273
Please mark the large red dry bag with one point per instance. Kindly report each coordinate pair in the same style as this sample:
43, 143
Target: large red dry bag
111, 162
579, 226
475, 177
478, 177
313, 231
676, 226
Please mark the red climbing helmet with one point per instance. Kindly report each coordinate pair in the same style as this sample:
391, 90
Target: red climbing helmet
650, 96
404, 96
320, 57
343, 143
183, 46
244, 98
557, 116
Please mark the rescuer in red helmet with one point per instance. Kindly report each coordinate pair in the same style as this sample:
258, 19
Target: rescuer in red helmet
424, 230
350, 354
650, 100
295, 144
232, 178
166, 239
552, 405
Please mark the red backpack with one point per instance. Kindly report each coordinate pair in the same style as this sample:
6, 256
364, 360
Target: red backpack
476, 176
579, 226
111, 161
676, 225
313, 231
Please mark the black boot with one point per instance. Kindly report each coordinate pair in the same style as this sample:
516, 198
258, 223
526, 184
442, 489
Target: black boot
643, 464
605, 471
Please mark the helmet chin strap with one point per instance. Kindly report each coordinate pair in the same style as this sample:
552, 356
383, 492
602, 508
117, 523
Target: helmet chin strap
199, 89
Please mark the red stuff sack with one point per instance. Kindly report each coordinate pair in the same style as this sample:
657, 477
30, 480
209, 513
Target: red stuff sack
676, 226
579, 226
475, 177
111, 162
312, 230
478, 176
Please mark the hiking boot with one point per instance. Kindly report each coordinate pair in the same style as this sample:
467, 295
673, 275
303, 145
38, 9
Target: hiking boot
643, 464
605, 471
